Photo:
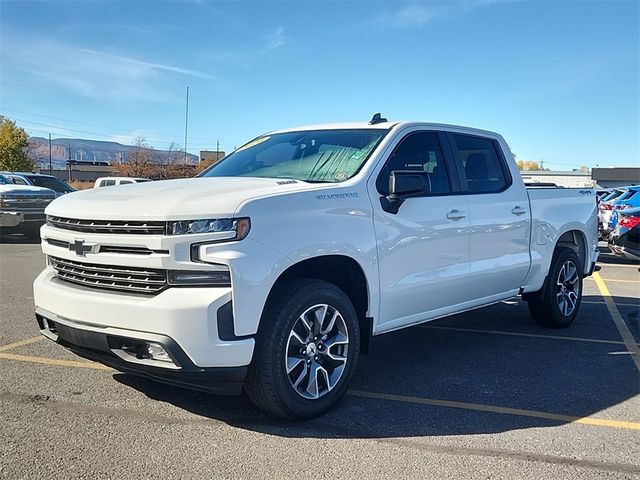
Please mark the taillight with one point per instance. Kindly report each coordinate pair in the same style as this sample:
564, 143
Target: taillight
605, 206
629, 222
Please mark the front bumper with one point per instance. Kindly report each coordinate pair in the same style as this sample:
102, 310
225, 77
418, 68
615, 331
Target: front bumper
107, 349
187, 316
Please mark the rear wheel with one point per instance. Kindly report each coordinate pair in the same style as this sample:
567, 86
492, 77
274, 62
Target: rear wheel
557, 304
306, 350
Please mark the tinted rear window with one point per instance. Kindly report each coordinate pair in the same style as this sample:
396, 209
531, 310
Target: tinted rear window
481, 166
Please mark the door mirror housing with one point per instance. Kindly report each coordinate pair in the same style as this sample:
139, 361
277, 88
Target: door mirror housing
402, 185
405, 184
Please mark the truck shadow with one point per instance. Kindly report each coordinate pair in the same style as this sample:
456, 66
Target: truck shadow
451, 360
17, 239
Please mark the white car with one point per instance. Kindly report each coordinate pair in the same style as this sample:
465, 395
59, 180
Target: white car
113, 181
272, 270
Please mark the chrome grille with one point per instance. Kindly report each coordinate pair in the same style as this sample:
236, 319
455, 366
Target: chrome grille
108, 226
110, 277
26, 200
123, 249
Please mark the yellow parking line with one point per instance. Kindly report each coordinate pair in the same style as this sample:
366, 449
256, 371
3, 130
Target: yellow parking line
613, 279
383, 396
530, 335
620, 304
53, 361
624, 331
27, 341
600, 422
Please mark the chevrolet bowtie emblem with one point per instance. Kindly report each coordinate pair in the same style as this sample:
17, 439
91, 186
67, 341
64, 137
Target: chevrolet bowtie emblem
80, 247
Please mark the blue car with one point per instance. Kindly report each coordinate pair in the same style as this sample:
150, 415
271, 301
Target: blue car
629, 199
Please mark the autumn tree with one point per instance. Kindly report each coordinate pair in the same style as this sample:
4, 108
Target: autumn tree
14, 147
146, 162
140, 160
528, 165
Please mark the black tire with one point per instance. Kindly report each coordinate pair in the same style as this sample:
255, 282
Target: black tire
550, 307
268, 384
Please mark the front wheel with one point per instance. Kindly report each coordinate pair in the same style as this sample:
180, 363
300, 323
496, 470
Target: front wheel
557, 304
306, 350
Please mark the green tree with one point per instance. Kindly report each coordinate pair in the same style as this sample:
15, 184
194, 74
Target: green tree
14, 145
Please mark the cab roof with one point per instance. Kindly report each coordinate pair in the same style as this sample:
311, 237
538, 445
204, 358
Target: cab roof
385, 126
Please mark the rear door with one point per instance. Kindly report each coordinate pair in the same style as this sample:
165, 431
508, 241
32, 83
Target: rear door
423, 249
500, 220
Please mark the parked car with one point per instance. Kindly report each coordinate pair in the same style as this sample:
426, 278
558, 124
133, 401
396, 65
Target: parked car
272, 270
605, 207
113, 181
625, 238
629, 199
22, 207
40, 180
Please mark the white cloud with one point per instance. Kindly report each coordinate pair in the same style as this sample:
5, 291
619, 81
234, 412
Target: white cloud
419, 14
91, 73
274, 40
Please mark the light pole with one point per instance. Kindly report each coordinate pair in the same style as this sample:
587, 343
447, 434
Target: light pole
49, 154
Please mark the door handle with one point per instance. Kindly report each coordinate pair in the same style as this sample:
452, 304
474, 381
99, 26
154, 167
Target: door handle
518, 210
455, 215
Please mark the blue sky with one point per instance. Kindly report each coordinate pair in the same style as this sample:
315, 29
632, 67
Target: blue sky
559, 79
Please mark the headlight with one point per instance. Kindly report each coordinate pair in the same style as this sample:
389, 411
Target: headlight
223, 229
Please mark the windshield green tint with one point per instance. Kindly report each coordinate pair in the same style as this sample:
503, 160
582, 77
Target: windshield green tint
312, 156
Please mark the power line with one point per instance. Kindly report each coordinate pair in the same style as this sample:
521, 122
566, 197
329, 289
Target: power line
86, 132
116, 129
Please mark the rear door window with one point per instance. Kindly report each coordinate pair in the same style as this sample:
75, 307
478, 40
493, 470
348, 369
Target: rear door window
481, 168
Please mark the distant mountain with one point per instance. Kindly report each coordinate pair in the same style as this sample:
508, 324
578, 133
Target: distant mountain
80, 149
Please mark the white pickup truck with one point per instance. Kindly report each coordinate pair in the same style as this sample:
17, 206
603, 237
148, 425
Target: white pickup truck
273, 269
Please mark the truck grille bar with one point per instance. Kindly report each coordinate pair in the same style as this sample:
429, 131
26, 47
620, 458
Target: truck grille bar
108, 226
111, 277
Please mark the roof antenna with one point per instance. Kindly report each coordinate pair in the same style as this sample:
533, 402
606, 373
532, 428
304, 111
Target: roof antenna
377, 119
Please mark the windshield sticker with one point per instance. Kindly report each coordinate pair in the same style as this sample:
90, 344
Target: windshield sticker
341, 176
336, 196
253, 143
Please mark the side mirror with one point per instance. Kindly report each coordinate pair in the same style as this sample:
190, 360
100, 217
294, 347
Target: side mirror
403, 185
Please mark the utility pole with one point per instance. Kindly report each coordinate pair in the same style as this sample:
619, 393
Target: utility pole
49, 154
217, 150
69, 162
186, 124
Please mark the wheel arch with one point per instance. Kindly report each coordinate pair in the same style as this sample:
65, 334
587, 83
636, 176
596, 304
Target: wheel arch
342, 271
576, 241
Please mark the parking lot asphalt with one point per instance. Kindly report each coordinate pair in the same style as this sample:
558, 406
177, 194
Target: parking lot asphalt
484, 394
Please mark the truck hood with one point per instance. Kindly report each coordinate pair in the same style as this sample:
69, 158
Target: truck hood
185, 199
25, 189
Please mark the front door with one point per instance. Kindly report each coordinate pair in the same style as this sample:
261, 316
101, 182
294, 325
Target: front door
423, 248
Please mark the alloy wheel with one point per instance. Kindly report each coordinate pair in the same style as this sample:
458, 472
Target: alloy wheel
316, 353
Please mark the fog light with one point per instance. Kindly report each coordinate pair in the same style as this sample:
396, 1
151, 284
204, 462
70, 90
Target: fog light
157, 352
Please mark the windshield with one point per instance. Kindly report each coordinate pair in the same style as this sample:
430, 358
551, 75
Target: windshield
4, 180
311, 156
51, 182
